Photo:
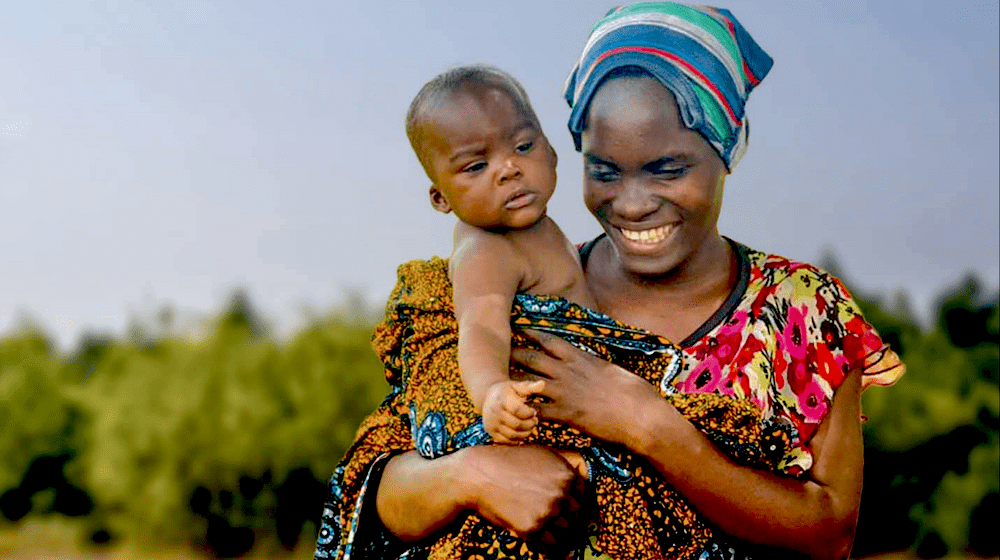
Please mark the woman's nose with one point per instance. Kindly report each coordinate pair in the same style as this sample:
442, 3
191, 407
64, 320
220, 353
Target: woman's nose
634, 201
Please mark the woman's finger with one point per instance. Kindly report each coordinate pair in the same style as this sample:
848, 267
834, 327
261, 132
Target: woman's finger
551, 392
525, 389
555, 346
538, 362
546, 537
522, 375
576, 500
576, 461
562, 529
554, 410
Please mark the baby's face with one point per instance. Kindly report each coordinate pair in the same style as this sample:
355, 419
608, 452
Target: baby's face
490, 163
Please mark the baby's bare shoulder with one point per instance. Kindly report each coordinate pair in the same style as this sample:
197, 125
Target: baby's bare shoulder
480, 253
473, 242
553, 265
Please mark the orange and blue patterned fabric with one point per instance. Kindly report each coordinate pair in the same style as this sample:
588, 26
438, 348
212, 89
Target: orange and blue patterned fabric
701, 54
757, 379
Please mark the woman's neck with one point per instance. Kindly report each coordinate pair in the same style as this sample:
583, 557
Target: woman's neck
675, 304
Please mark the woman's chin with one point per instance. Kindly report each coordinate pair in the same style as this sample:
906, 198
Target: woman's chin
647, 267
646, 263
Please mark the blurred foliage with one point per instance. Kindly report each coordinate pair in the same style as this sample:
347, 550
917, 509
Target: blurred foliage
223, 443
226, 442
932, 458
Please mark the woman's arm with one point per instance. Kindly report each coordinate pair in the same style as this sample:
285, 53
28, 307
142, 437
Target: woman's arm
528, 489
416, 497
816, 516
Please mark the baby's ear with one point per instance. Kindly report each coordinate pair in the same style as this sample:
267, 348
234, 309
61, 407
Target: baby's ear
555, 156
438, 201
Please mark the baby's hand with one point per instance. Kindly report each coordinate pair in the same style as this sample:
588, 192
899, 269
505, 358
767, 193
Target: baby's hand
506, 414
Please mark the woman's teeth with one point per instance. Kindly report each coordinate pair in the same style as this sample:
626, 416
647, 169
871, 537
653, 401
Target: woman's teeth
654, 235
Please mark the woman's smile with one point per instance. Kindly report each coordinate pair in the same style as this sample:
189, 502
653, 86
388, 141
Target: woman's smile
646, 240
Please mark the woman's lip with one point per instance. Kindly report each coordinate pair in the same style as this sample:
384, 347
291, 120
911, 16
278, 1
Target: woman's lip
520, 200
646, 239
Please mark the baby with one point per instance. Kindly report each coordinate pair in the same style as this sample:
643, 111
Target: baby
478, 139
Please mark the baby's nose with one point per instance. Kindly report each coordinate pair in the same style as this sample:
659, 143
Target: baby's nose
510, 170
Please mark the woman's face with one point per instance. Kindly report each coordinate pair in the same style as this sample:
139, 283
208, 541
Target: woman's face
654, 185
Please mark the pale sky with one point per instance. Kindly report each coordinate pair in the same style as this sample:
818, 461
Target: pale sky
166, 153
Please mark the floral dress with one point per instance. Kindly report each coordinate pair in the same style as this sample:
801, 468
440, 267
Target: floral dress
775, 353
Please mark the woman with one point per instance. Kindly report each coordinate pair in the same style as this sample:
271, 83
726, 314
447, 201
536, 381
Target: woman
657, 111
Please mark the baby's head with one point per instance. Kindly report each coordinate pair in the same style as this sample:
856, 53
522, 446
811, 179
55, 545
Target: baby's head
478, 139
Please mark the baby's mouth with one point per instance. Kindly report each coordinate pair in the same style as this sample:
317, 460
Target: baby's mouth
650, 236
520, 200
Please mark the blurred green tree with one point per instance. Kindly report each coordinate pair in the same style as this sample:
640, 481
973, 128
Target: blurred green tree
226, 442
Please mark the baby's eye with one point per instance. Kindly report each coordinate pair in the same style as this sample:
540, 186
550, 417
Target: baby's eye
525, 147
474, 167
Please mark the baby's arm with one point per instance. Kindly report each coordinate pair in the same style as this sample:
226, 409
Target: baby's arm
486, 271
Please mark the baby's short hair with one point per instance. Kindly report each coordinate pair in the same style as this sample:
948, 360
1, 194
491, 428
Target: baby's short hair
440, 88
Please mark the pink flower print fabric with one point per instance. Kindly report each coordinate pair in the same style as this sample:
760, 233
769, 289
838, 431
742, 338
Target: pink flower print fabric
787, 342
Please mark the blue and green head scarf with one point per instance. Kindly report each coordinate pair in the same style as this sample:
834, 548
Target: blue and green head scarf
701, 54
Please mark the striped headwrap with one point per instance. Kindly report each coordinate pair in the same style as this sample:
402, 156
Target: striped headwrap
701, 54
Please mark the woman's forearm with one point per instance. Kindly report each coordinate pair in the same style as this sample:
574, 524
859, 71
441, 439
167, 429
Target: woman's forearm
751, 505
518, 487
416, 496
816, 516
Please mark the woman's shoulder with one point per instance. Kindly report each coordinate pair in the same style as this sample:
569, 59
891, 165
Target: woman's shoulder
792, 294
779, 268
772, 275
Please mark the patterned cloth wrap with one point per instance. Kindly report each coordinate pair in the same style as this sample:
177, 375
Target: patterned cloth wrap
784, 342
637, 515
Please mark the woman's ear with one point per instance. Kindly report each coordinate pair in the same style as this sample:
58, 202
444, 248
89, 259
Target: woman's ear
438, 201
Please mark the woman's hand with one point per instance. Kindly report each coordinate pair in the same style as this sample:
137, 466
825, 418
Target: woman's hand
529, 490
586, 392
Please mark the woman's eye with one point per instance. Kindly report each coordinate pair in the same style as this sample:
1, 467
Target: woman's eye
671, 172
602, 173
525, 147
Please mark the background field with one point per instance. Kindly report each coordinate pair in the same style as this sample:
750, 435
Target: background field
157, 445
